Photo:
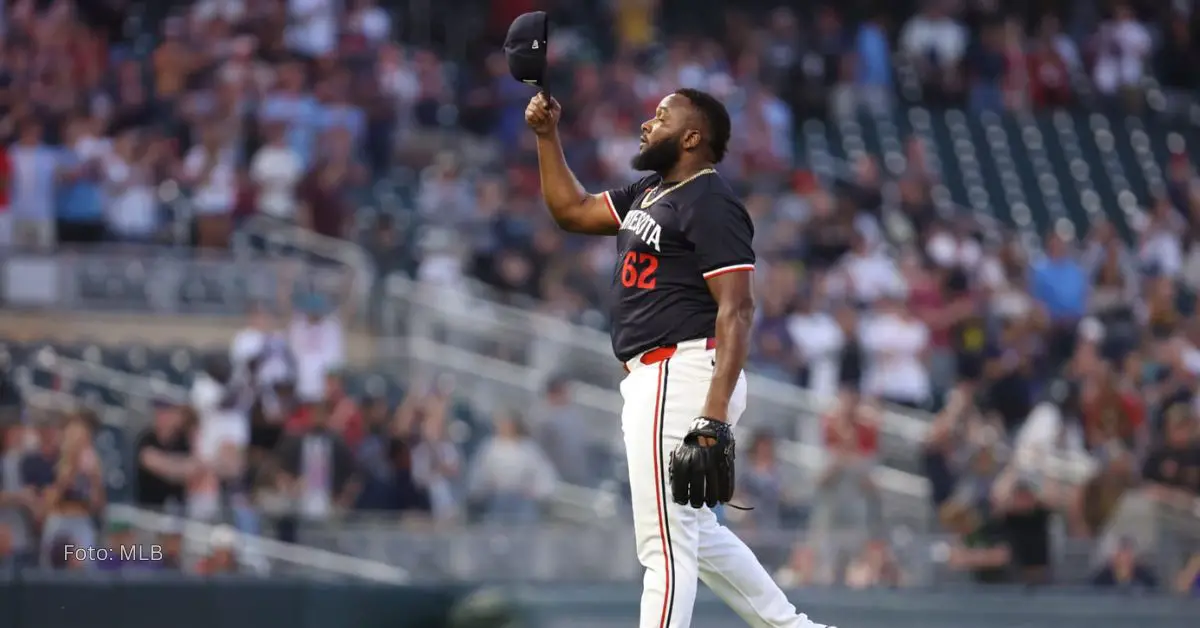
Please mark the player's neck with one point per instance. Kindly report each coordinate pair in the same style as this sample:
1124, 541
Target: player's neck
683, 170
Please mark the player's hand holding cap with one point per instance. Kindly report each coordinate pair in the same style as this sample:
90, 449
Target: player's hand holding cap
525, 48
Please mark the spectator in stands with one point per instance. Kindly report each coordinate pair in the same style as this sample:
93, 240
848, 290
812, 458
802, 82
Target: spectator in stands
847, 500
1174, 58
164, 458
130, 555
987, 66
772, 353
210, 170
387, 247
222, 434
936, 42
318, 472
562, 432
822, 71
1025, 515
345, 416
1112, 414
437, 464
1101, 494
17, 500
975, 482
10, 559
1123, 570
80, 204
804, 569
760, 482
965, 319
276, 171
1173, 467
1009, 372
981, 547
375, 457
873, 66
72, 492
1052, 58
1123, 46
818, 340
323, 191
316, 334
131, 207
1060, 285
222, 556
874, 567
33, 165
1159, 248
264, 346
511, 476
894, 341
170, 542
942, 443
1188, 580
870, 272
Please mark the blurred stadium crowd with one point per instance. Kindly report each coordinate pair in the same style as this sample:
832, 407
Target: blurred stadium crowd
912, 256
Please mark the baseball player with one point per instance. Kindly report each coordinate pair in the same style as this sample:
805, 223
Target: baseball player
682, 308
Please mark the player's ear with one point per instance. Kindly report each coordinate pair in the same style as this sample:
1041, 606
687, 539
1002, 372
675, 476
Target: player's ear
691, 139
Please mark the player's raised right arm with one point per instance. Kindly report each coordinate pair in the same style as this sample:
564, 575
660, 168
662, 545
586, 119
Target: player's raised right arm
572, 207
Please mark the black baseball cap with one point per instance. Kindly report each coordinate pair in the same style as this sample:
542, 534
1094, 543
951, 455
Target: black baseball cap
525, 47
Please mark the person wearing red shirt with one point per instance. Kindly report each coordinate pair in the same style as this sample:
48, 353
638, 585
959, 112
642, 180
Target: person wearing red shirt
1110, 413
851, 429
345, 416
1049, 77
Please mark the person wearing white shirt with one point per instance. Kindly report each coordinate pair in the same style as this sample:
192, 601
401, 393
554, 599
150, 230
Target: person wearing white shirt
222, 434
819, 339
276, 170
1160, 247
894, 342
262, 345
871, 273
131, 206
316, 335
210, 170
934, 33
1123, 44
370, 21
312, 27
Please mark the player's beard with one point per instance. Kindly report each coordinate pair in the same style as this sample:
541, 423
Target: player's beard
659, 157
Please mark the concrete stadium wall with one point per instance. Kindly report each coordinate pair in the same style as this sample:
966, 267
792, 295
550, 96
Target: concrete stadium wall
149, 600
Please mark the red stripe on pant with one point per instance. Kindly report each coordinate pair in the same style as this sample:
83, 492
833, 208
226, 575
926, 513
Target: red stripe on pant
664, 528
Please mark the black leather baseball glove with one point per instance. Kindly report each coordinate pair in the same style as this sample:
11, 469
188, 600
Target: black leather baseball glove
701, 467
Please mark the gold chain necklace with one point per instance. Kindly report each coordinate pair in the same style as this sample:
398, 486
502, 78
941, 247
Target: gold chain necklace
653, 197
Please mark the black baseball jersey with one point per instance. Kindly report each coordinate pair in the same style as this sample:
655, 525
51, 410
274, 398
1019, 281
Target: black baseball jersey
673, 238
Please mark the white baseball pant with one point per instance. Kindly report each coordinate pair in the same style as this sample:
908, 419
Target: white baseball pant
663, 392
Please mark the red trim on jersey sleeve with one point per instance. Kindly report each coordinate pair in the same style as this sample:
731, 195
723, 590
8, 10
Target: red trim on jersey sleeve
728, 269
612, 208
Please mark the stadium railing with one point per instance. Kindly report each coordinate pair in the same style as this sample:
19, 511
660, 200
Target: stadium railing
169, 281
488, 382
520, 350
548, 552
262, 233
266, 556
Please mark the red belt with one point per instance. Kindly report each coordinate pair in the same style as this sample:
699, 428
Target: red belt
658, 354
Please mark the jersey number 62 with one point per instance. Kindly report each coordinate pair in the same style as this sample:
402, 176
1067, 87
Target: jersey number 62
638, 270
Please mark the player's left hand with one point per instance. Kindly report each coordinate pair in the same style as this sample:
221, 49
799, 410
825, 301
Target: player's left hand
701, 467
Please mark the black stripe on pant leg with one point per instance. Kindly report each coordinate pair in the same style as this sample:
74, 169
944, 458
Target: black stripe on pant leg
664, 473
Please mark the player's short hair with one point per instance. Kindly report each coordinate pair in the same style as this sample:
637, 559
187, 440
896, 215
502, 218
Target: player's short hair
715, 115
